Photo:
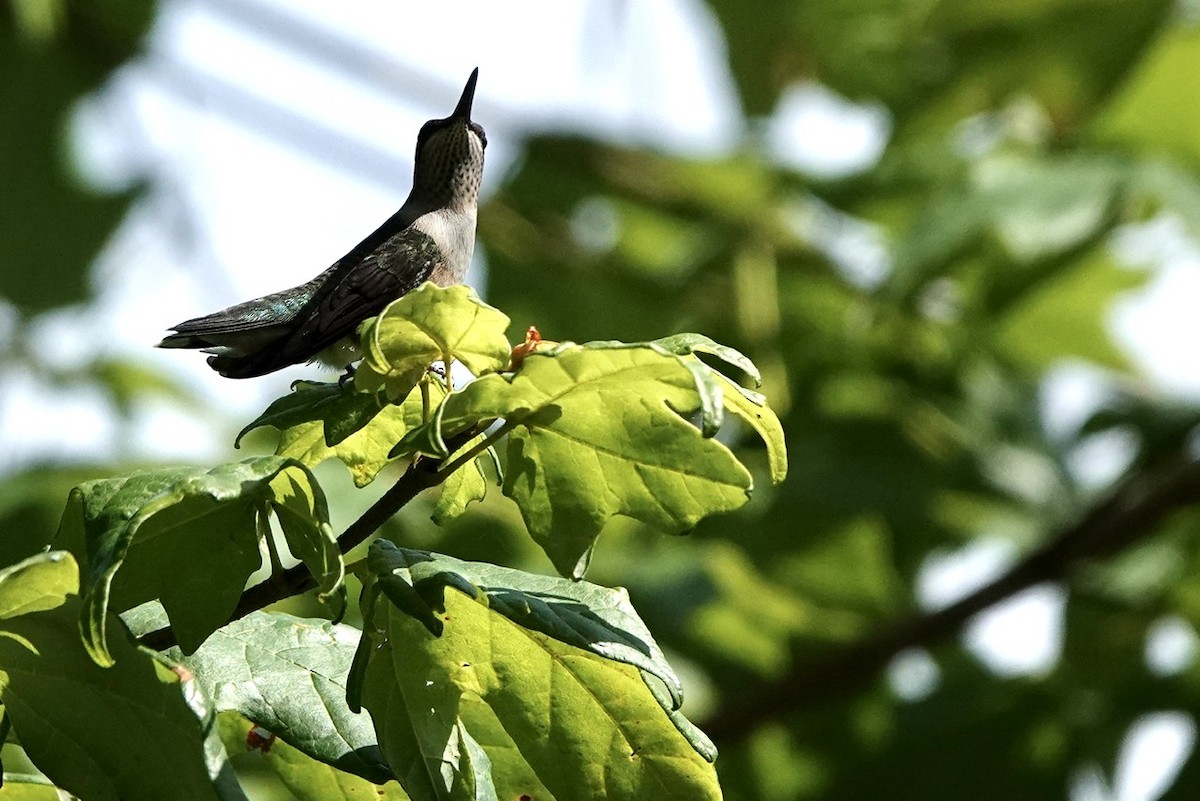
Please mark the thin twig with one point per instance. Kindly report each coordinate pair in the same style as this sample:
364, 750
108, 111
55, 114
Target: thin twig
477, 449
1133, 511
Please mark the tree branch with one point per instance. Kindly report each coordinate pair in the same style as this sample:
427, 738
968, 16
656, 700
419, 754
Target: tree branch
1131, 512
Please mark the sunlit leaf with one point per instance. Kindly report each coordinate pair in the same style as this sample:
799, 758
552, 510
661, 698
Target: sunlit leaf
430, 324
465, 485
597, 432
549, 679
368, 449
1068, 316
1146, 113
305, 777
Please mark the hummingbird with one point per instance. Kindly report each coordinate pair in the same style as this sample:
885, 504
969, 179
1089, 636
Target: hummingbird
430, 238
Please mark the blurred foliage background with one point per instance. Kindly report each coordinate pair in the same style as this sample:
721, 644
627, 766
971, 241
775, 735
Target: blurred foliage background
1026, 138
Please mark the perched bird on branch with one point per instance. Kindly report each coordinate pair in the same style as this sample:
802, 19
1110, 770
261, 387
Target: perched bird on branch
430, 238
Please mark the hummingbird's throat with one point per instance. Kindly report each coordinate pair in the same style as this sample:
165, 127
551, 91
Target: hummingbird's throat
449, 168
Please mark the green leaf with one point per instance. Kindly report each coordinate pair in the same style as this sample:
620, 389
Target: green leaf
29, 787
1039, 208
38, 583
368, 449
1034, 208
946, 60
1159, 183
305, 777
429, 324
1145, 114
299, 506
598, 432
1067, 316
288, 675
339, 410
422, 439
461, 487
89, 728
752, 409
686, 344
549, 677
190, 538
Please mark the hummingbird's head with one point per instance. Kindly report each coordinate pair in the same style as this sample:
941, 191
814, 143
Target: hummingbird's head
449, 162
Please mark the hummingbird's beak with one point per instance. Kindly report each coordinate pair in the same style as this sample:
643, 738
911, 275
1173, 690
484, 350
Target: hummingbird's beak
463, 109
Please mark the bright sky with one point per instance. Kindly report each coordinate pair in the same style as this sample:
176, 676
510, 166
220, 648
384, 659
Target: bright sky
245, 216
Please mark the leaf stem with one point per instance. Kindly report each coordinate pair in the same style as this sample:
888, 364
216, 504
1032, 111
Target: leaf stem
477, 448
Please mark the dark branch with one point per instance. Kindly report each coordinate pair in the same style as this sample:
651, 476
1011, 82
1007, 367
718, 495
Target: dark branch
1133, 511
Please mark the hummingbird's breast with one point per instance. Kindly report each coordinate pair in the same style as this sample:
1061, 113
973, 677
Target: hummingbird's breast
453, 231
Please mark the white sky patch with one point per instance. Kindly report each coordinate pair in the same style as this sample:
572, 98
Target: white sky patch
856, 247
948, 577
1070, 393
1153, 752
1171, 646
1151, 755
1102, 458
1020, 636
913, 675
1158, 325
39, 423
819, 132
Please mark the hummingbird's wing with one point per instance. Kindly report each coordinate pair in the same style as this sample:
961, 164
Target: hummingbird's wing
344, 295
244, 327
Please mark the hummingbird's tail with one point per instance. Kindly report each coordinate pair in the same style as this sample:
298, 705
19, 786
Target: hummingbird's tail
244, 327
239, 334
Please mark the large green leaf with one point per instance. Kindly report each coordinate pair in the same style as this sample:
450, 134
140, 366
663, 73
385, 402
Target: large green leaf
598, 432
87, 727
429, 324
288, 675
190, 538
338, 409
368, 449
557, 685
